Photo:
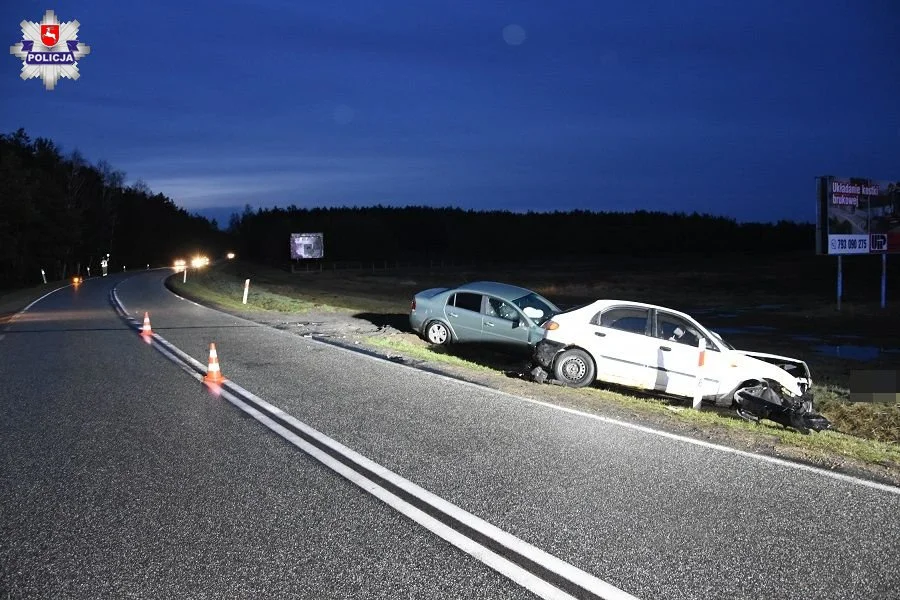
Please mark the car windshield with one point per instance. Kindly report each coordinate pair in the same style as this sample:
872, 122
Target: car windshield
536, 307
721, 339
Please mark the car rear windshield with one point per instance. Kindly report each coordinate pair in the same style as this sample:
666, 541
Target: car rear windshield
537, 302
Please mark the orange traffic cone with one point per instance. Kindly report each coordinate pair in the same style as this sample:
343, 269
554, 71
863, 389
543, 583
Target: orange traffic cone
145, 330
213, 374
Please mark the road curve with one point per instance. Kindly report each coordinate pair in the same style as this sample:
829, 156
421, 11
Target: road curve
656, 517
122, 477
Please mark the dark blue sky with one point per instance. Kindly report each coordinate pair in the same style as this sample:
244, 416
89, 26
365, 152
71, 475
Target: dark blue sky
519, 105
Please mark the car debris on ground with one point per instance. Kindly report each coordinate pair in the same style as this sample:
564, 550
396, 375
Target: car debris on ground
763, 402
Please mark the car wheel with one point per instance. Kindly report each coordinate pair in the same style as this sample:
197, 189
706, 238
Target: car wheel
437, 333
574, 368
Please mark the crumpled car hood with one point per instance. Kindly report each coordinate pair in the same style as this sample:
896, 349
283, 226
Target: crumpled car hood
767, 366
800, 370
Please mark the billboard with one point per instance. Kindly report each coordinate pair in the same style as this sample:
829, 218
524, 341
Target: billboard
307, 245
857, 216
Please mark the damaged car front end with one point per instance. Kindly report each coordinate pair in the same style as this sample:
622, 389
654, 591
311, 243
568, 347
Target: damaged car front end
782, 393
545, 353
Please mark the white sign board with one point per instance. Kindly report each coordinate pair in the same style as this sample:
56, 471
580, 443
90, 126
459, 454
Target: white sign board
307, 245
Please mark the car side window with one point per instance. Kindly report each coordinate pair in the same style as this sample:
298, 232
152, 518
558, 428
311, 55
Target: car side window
467, 301
675, 329
632, 320
495, 307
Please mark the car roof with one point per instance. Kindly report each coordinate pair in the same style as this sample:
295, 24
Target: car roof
601, 304
504, 290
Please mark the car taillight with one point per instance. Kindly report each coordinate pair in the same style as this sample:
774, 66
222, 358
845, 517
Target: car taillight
413, 307
551, 325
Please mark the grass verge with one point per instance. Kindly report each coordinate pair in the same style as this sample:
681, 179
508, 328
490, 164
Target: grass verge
418, 352
226, 291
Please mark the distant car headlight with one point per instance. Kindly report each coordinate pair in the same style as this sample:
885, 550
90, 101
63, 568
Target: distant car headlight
180, 262
230, 255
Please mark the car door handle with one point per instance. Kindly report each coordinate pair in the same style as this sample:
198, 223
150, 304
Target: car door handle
488, 323
450, 314
664, 348
599, 334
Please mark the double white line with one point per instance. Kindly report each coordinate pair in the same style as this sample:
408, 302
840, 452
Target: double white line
539, 572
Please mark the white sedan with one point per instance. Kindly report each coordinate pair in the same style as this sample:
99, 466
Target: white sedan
657, 349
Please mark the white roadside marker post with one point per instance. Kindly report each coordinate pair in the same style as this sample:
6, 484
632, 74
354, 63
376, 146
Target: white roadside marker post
246, 289
44, 276
184, 279
698, 394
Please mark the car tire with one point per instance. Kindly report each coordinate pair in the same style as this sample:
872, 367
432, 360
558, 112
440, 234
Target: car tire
574, 368
437, 333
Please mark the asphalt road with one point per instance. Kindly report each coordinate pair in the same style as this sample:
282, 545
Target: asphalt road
123, 476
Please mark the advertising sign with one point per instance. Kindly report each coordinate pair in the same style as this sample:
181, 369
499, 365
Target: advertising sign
857, 216
307, 245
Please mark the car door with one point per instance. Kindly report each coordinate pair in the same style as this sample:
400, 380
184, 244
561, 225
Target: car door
504, 323
463, 312
678, 364
618, 339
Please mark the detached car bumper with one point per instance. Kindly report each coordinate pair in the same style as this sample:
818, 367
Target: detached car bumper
763, 401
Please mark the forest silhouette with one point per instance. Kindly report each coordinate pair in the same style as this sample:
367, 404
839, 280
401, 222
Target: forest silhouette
60, 213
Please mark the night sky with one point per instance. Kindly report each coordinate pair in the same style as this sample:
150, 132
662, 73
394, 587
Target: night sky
718, 107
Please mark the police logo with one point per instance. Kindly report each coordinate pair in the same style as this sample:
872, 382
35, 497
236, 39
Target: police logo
50, 50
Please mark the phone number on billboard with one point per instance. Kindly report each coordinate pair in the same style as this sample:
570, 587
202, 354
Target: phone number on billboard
848, 244
854, 244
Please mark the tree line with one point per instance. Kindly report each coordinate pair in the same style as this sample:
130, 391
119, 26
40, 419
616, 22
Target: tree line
380, 233
61, 214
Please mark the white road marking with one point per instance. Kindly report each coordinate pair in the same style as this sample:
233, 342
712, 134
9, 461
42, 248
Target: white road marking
526, 579
24, 310
41, 298
499, 563
185, 299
